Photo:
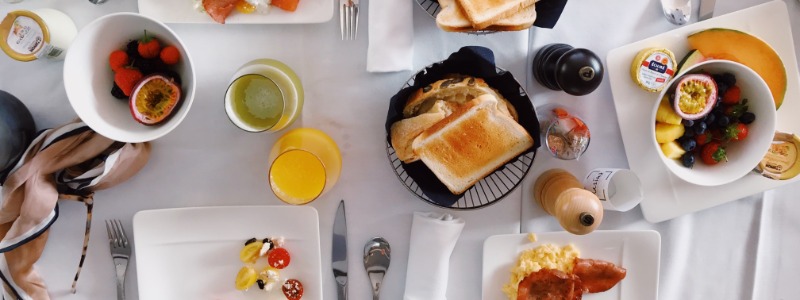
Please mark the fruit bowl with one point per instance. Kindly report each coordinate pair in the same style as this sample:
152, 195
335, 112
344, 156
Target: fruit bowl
88, 78
742, 155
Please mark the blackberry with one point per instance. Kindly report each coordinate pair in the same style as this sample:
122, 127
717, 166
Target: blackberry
729, 79
174, 75
132, 48
117, 92
150, 66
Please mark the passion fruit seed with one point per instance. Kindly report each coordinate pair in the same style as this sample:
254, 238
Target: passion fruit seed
245, 278
154, 99
695, 96
250, 253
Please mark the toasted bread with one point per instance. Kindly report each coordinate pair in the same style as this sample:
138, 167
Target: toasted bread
483, 13
455, 90
404, 132
452, 18
471, 143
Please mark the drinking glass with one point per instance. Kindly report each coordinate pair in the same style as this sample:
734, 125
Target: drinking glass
264, 95
305, 164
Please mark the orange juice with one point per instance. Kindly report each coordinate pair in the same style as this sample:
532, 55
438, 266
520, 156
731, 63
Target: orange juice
306, 163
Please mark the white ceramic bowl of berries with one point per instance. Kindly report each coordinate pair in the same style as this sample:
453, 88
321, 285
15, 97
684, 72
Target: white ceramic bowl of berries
129, 77
713, 123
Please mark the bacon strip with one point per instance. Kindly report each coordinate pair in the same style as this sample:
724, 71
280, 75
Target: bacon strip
550, 284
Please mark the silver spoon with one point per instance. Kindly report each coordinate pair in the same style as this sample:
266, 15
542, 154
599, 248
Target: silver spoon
377, 255
678, 12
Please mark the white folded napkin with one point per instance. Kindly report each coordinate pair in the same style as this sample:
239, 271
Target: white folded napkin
433, 237
391, 35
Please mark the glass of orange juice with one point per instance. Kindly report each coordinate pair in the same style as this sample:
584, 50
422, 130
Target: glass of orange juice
305, 164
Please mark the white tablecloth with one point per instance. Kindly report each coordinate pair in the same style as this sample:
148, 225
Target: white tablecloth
728, 252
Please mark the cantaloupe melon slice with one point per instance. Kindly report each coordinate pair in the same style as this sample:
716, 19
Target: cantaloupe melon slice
741, 47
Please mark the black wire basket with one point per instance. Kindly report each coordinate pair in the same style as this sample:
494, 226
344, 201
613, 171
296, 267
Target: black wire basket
491, 188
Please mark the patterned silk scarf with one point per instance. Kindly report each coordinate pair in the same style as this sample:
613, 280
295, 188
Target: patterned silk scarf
69, 162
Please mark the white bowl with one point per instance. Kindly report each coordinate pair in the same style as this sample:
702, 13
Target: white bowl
744, 155
88, 78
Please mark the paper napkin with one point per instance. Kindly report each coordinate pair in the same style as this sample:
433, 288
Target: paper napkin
391, 35
433, 237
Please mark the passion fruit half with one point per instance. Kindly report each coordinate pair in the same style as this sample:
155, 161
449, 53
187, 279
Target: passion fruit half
695, 96
154, 99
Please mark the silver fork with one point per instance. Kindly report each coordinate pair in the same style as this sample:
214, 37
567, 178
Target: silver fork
348, 19
120, 252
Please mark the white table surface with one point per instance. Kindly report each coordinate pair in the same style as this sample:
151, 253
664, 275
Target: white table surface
722, 253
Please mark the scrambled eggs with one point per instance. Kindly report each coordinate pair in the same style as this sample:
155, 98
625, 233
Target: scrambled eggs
547, 256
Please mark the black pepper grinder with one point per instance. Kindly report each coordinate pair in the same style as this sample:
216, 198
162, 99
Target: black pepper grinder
576, 71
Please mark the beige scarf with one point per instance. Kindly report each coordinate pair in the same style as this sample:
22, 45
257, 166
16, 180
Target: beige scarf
69, 162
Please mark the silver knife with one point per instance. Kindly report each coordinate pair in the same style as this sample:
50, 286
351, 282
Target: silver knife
706, 9
339, 252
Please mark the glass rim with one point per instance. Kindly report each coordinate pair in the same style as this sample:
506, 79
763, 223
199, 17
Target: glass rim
226, 102
325, 174
546, 132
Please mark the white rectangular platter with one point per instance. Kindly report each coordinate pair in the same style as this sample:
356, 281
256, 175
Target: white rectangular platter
193, 253
182, 11
665, 195
639, 252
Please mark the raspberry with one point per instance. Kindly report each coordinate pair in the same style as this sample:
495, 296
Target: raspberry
170, 55
118, 59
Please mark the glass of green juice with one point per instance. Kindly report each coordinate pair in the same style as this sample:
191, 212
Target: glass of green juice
264, 95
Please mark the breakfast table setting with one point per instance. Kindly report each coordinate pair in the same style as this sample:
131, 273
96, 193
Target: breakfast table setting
176, 202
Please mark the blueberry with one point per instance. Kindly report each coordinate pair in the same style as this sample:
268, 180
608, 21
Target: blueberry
688, 132
117, 92
710, 118
723, 121
687, 159
747, 118
688, 144
688, 123
700, 127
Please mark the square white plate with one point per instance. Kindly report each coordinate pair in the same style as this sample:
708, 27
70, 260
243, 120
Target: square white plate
182, 11
639, 252
193, 253
665, 195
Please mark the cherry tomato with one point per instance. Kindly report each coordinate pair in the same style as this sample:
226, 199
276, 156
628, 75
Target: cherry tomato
292, 289
278, 258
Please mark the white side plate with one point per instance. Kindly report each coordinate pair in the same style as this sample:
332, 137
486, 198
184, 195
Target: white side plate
193, 253
639, 252
665, 195
182, 11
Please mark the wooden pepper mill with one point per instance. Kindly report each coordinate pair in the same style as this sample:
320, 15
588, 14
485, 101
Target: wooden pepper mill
561, 195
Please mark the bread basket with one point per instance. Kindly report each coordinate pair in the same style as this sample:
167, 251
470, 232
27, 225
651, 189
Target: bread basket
419, 180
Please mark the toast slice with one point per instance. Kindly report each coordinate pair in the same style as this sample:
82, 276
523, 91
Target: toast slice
471, 143
452, 19
404, 132
483, 13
